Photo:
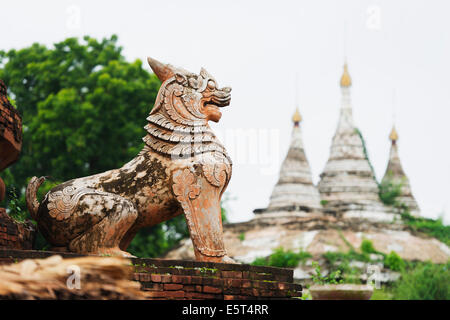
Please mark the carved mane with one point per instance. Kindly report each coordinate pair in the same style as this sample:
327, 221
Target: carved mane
176, 129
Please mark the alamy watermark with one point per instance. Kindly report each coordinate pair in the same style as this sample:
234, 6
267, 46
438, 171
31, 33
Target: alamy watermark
74, 279
258, 147
73, 21
374, 272
373, 18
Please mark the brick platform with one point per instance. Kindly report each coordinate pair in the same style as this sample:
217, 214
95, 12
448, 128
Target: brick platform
181, 280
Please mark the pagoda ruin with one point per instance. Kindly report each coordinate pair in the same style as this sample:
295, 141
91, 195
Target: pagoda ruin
348, 185
395, 175
294, 191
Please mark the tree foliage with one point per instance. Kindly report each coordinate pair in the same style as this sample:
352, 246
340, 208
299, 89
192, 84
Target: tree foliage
83, 108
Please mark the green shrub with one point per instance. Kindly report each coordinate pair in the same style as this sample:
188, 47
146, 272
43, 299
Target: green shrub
15, 208
282, 258
339, 261
394, 262
285, 259
333, 257
367, 247
319, 278
390, 191
434, 228
260, 261
426, 282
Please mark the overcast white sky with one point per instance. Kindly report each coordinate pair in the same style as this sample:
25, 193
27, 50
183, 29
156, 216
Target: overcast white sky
258, 47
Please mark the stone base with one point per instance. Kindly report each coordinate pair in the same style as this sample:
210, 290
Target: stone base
188, 280
369, 211
15, 235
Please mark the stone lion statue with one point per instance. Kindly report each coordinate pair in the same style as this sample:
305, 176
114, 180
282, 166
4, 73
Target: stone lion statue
183, 169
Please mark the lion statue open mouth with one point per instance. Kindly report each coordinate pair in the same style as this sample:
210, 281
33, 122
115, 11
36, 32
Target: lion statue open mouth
182, 169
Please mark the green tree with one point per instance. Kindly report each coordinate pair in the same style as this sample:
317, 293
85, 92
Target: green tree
83, 108
394, 262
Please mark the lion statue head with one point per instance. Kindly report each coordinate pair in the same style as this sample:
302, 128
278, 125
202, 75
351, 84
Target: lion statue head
189, 98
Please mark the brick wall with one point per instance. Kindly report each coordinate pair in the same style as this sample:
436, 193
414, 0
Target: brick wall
181, 280
15, 235
10, 130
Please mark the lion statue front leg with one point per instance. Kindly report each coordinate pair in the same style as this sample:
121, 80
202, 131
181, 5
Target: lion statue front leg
199, 196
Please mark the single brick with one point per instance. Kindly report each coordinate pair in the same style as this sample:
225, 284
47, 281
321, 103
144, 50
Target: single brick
166, 278
178, 279
209, 289
189, 288
152, 286
197, 295
156, 277
167, 294
232, 274
172, 286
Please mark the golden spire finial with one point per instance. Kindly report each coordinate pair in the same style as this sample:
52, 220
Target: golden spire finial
346, 81
296, 118
394, 135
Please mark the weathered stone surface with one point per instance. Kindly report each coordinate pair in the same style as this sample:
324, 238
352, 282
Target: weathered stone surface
394, 173
320, 234
183, 169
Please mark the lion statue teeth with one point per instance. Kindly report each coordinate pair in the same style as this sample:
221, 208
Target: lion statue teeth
182, 169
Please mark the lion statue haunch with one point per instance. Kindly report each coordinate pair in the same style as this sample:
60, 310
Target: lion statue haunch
183, 168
